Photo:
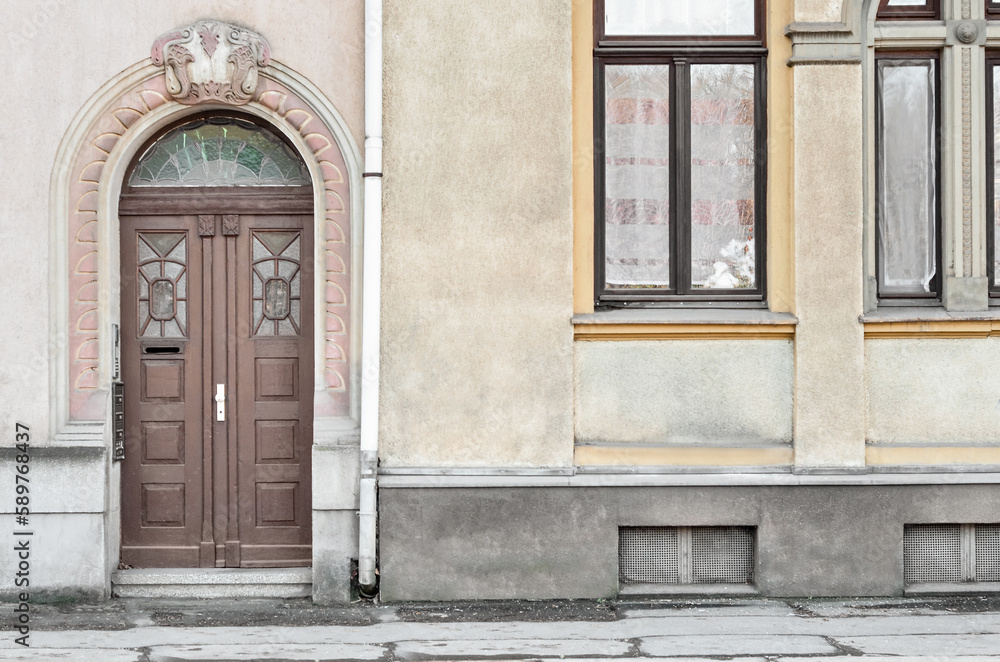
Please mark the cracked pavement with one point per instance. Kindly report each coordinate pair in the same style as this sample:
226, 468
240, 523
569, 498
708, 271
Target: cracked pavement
964, 629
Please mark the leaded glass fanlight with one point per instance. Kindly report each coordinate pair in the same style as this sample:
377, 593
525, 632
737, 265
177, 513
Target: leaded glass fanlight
219, 151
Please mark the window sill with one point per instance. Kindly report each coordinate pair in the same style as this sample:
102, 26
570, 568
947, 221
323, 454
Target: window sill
701, 590
927, 322
680, 324
944, 588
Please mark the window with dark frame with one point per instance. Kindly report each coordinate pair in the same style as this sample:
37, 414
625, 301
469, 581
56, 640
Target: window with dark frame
911, 217
992, 153
679, 147
907, 179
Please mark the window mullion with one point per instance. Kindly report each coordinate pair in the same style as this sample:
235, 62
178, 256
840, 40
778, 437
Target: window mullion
968, 553
760, 176
990, 154
680, 210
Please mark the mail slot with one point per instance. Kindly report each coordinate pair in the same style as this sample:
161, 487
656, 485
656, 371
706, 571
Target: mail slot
161, 349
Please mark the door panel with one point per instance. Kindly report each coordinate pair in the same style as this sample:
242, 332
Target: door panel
162, 472
209, 301
275, 398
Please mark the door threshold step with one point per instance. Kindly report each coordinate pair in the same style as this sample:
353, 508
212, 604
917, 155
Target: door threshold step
212, 583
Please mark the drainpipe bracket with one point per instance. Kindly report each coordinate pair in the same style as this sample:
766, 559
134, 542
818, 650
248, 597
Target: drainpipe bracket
369, 464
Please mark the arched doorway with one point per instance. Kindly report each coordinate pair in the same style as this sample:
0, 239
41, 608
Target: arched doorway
95, 159
217, 348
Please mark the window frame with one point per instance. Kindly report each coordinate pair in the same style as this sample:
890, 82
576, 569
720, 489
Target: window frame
931, 10
603, 40
680, 52
992, 59
934, 297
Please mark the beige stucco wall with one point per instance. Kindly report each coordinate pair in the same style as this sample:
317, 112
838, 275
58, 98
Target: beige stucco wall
820, 10
932, 390
829, 398
477, 239
701, 392
56, 54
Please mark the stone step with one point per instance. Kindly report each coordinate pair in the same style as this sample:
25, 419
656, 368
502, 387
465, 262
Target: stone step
212, 583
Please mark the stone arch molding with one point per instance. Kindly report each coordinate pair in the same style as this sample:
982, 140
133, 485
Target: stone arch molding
91, 163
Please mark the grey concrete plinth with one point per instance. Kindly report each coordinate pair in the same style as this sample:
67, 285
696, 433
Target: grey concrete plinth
550, 541
213, 583
335, 544
59, 571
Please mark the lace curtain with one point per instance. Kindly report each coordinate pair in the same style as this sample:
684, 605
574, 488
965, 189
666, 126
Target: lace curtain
679, 17
637, 176
907, 173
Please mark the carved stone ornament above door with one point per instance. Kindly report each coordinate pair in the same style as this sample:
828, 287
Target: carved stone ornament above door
211, 61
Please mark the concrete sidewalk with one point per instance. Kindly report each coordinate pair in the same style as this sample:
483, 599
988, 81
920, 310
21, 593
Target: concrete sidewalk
133, 630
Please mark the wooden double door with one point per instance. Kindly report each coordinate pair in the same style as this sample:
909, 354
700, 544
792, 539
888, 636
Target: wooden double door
216, 351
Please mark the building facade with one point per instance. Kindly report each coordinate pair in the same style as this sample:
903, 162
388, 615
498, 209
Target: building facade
553, 299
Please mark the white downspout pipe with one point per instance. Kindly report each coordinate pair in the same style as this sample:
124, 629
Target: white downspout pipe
371, 297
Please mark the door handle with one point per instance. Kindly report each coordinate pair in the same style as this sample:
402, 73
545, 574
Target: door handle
220, 402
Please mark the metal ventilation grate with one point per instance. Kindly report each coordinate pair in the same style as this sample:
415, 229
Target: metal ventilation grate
949, 553
988, 552
932, 553
648, 555
722, 554
686, 555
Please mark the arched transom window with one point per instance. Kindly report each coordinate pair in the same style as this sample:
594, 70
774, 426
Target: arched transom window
219, 151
